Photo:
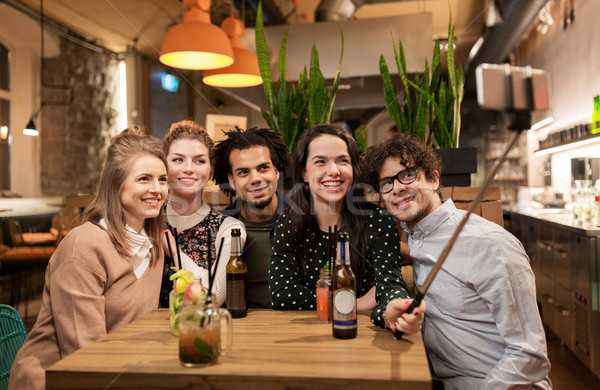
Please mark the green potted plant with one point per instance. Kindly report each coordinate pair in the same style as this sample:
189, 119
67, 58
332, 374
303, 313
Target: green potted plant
430, 108
305, 104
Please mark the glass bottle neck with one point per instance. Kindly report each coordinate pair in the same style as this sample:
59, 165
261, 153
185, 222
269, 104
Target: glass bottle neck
236, 246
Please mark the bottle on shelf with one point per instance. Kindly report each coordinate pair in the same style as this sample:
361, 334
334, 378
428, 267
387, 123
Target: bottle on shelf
343, 285
596, 115
597, 202
236, 271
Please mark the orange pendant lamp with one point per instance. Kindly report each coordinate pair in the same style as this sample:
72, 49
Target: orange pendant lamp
244, 72
196, 43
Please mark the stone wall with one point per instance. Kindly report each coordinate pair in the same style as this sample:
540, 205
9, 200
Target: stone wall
78, 117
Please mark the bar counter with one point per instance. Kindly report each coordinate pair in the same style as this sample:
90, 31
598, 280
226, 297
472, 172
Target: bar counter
271, 350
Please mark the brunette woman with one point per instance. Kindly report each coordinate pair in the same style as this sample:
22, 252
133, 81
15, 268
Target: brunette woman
325, 193
190, 153
105, 273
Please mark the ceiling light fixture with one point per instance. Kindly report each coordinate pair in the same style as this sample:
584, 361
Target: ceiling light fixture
244, 71
196, 43
30, 128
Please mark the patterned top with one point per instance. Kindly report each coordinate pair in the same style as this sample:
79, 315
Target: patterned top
293, 286
194, 242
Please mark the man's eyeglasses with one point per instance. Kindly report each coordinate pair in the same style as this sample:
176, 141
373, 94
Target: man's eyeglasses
407, 176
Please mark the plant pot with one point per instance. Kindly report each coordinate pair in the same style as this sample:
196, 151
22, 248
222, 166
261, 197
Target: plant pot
457, 166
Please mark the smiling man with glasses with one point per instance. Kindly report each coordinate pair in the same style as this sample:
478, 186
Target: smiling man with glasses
482, 328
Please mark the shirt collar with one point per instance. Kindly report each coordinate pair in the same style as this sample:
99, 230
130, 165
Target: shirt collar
434, 220
136, 240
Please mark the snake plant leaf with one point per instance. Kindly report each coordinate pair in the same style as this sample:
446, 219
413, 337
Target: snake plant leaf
390, 96
436, 68
268, 118
421, 112
282, 56
283, 114
459, 92
432, 101
262, 53
360, 134
401, 65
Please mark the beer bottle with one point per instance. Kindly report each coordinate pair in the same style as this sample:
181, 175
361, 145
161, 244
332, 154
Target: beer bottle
596, 115
343, 285
236, 278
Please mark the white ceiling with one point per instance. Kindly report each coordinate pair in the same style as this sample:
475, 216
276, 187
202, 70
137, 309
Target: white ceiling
142, 24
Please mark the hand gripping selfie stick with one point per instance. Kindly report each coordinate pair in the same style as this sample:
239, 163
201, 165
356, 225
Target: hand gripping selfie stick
523, 90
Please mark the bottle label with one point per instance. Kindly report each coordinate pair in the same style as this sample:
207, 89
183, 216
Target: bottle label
344, 309
236, 291
344, 301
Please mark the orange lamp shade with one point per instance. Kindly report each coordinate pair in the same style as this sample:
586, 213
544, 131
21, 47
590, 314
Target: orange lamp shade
196, 43
243, 73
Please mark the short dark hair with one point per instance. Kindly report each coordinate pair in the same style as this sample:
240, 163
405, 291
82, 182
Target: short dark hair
240, 139
411, 151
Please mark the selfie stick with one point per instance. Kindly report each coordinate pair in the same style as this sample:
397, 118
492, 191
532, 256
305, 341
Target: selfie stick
520, 120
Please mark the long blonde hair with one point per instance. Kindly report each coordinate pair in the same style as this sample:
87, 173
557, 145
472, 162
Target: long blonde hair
124, 148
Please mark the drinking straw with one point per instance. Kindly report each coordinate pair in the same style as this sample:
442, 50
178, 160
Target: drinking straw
329, 247
169, 245
333, 245
178, 265
211, 276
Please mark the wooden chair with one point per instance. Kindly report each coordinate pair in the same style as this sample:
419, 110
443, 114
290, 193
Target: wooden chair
489, 208
29, 239
12, 337
63, 223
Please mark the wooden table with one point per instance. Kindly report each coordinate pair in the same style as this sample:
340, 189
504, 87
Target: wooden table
271, 350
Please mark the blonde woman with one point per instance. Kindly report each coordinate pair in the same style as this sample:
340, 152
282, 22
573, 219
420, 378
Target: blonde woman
105, 273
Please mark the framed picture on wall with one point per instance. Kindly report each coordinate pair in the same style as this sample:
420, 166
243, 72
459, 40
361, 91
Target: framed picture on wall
217, 124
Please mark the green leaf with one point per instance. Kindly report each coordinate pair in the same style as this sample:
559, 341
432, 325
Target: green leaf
282, 51
262, 53
206, 351
389, 93
360, 134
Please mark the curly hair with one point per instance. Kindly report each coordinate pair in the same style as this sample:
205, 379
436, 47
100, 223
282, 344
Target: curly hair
187, 129
411, 151
240, 139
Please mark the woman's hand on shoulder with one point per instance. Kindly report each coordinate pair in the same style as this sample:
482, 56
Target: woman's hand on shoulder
397, 318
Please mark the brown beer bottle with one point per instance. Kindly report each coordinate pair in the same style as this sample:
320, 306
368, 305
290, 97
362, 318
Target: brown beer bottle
236, 278
343, 285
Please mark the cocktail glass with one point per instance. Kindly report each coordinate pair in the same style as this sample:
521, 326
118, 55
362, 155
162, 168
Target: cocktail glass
200, 336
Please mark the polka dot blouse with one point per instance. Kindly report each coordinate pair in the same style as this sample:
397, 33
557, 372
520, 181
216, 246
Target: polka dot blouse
292, 281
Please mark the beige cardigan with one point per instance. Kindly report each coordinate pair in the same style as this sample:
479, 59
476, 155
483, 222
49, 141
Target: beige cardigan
90, 291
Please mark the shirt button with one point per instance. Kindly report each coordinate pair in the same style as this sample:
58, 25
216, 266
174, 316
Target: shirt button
417, 241
422, 266
427, 232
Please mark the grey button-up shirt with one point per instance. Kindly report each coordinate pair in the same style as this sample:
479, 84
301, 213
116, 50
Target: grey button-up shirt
482, 327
